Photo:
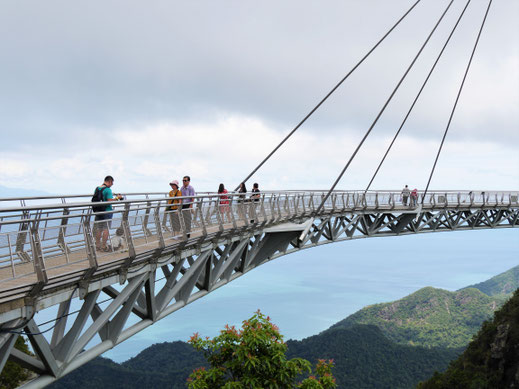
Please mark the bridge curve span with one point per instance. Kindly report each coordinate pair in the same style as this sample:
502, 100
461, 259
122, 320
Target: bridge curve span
172, 256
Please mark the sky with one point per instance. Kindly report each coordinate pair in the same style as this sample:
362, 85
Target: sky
151, 91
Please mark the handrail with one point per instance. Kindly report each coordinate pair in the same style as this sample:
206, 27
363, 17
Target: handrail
35, 239
211, 194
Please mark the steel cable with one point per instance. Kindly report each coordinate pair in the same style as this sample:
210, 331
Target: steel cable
417, 96
12, 330
328, 95
456, 102
323, 201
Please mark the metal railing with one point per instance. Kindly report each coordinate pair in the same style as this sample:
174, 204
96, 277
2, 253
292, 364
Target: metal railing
43, 236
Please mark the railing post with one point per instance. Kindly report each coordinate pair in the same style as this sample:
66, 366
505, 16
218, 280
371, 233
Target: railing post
38, 262
126, 213
263, 212
62, 232
446, 200
376, 200
146, 218
200, 210
91, 255
123, 271
208, 213
233, 216
219, 217
158, 225
89, 244
11, 254
21, 238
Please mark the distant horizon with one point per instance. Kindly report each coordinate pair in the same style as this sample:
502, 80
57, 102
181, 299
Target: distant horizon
6, 191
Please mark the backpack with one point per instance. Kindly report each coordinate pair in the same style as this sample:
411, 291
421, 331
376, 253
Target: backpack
98, 197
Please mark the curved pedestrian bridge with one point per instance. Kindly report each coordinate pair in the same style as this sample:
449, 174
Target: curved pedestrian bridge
171, 257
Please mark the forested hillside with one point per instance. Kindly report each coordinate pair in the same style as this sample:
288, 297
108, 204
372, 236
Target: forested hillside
502, 284
366, 359
163, 365
491, 360
429, 317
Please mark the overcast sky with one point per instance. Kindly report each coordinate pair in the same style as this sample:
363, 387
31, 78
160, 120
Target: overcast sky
151, 91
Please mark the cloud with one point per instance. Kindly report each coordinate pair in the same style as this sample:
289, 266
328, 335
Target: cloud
151, 91
144, 159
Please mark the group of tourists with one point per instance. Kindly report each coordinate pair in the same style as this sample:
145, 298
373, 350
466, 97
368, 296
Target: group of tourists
176, 206
184, 205
408, 194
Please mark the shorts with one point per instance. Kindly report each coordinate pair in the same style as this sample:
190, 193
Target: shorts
106, 225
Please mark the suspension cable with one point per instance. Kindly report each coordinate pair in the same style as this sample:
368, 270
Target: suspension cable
382, 110
328, 95
456, 102
417, 96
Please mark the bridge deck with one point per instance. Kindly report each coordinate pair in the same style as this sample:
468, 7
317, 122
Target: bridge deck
48, 244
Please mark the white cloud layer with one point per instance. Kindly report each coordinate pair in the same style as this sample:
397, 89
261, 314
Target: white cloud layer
149, 92
146, 159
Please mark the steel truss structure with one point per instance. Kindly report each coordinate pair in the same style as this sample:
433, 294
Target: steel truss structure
119, 301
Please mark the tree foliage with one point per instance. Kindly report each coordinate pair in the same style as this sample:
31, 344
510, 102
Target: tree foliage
254, 357
491, 360
13, 374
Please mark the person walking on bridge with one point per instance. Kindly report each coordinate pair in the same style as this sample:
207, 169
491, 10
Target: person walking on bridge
405, 195
187, 203
104, 193
173, 209
224, 203
414, 197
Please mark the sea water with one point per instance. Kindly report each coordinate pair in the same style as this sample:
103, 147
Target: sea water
306, 292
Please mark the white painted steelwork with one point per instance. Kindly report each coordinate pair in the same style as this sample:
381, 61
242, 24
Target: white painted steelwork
48, 256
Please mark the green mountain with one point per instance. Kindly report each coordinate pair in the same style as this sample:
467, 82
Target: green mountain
503, 284
366, 359
429, 317
491, 360
162, 365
